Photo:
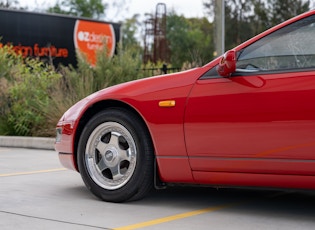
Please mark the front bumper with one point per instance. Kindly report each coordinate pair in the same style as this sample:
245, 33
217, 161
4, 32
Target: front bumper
64, 145
67, 161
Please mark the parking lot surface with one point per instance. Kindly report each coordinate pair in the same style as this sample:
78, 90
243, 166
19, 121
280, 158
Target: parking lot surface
37, 193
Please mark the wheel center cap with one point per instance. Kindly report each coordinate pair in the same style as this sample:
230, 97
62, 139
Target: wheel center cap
109, 155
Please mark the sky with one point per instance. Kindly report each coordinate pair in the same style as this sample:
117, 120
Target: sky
188, 8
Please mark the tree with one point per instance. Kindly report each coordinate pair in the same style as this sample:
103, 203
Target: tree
10, 4
82, 8
189, 39
88, 8
237, 22
245, 19
292, 8
259, 20
129, 31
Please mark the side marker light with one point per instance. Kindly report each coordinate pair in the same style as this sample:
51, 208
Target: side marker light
168, 103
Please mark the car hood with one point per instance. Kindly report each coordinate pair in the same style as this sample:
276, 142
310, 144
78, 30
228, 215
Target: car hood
135, 89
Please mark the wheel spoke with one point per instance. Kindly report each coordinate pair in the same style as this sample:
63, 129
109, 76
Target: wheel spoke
124, 155
114, 139
115, 172
101, 146
102, 165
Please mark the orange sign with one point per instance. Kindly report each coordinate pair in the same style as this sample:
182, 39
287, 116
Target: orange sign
91, 36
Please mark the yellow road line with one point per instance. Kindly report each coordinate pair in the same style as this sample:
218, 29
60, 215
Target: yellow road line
174, 217
32, 172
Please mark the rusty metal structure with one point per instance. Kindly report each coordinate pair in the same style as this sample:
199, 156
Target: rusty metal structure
155, 43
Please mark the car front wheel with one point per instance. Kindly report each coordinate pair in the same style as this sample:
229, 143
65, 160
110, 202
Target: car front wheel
115, 156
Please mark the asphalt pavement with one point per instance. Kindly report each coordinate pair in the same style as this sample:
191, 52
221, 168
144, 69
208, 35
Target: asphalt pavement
36, 192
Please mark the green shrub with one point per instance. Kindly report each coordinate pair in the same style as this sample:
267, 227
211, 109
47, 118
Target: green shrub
77, 83
34, 95
120, 68
28, 84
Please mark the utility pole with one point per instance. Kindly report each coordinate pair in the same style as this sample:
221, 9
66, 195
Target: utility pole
219, 19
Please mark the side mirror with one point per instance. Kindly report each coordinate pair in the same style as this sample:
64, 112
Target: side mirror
227, 64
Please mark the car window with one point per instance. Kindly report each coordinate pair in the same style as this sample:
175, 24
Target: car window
210, 74
292, 47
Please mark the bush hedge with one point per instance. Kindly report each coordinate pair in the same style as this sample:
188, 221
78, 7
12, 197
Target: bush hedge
34, 95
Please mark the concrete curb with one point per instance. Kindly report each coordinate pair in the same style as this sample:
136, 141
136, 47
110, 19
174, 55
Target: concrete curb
27, 142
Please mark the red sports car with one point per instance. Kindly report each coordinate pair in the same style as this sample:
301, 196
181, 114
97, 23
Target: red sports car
244, 119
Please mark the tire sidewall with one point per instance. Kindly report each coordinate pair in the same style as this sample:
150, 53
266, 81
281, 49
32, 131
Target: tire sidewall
143, 172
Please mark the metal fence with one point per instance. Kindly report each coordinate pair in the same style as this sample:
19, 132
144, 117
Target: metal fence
163, 70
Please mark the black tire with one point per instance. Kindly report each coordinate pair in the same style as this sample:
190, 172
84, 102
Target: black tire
115, 156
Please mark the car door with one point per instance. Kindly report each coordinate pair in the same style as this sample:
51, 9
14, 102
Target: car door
260, 120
